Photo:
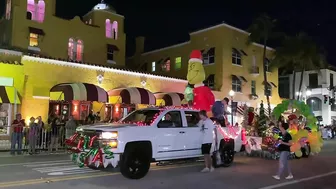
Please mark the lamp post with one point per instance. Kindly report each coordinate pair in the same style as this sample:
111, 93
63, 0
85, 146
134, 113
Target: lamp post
231, 93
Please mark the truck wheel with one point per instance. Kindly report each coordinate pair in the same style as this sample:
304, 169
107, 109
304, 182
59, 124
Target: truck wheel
227, 156
306, 151
135, 163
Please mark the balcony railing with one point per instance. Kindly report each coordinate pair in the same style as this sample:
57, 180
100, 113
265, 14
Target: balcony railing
254, 70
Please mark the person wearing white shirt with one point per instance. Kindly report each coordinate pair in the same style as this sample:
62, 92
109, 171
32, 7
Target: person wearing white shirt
208, 128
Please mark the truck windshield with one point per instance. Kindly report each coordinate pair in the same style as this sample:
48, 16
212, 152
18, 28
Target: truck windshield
143, 116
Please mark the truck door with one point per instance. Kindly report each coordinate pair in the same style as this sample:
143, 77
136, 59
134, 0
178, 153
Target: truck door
167, 133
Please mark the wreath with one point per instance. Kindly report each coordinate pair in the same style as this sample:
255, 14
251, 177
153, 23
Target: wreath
300, 106
314, 137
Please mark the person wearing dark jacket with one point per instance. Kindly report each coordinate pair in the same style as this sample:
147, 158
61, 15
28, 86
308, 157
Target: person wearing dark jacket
219, 111
284, 148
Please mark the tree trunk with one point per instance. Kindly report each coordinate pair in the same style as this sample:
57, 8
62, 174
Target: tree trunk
265, 79
301, 80
293, 84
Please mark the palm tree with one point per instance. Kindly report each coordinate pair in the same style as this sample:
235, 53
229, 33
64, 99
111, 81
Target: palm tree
299, 53
261, 30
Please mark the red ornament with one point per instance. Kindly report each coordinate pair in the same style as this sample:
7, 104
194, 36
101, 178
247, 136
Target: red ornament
98, 156
80, 143
250, 118
92, 140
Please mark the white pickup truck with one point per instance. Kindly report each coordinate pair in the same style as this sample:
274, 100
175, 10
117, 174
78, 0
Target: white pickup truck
166, 134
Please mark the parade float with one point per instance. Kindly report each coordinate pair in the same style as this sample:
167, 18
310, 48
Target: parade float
263, 133
135, 141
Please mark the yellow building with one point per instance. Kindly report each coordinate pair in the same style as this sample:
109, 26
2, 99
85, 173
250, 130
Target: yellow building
49, 65
31, 26
228, 61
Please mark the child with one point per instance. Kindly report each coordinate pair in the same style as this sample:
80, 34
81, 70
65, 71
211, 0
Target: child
33, 128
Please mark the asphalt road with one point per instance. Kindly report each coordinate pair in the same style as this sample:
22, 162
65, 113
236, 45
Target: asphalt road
57, 171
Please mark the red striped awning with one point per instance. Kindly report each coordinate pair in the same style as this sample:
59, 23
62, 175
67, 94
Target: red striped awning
240, 110
134, 95
171, 99
81, 91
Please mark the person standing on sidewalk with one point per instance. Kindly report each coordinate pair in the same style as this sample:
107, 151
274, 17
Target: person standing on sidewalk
17, 135
70, 127
40, 133
207, 127
55, 123
33, 131
284, 148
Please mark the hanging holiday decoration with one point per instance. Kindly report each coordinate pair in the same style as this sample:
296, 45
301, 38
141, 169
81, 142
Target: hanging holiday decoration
86, 153
262, 127
203, 98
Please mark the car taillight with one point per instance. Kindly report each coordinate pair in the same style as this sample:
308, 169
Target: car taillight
243, 136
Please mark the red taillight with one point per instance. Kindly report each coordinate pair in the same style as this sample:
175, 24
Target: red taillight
243, 136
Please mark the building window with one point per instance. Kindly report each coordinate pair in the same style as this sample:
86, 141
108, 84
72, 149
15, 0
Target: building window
236, 84
111, 29
40, 11
210, 81
153, 66
75, 49
209, 56
315, 104
267, 63
331, 81
253, 87
109, 53
33, 40
178, 63
236, 57
108, 26
268, 89
166, 65
8, 9
313, 80
35, 11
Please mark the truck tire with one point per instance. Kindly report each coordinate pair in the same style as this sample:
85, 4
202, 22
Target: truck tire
135, 161
226, 152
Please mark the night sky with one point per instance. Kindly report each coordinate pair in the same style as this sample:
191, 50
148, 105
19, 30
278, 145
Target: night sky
166, 23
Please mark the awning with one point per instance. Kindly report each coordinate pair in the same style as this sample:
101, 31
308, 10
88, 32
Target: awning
240, 110
36, 31
234, 50
80, 91
113, 47
241, 78
171, 99
243, 52
9, 95
134, 95
271, 84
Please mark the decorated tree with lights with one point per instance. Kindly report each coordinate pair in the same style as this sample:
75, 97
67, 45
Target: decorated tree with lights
262, 127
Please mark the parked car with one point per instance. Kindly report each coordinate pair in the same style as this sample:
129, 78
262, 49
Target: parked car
147, 135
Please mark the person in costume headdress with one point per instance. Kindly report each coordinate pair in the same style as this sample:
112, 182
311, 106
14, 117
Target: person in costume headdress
203, 98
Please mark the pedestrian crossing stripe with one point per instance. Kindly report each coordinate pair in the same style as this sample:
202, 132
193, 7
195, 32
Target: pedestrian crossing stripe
66, 167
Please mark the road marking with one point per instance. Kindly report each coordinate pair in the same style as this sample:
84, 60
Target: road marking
20, 164
67, 178
299, 180
72, 172
47, 164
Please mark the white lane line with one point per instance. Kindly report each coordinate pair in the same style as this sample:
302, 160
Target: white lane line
48, 168
20, 164
57, 169
47, 164
299, 180
71, 173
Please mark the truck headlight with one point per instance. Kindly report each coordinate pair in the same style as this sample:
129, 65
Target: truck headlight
79, 129
109, 135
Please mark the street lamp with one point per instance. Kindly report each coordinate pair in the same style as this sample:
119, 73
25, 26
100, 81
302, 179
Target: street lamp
231, 93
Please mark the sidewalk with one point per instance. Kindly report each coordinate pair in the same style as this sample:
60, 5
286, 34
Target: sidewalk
42, 153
